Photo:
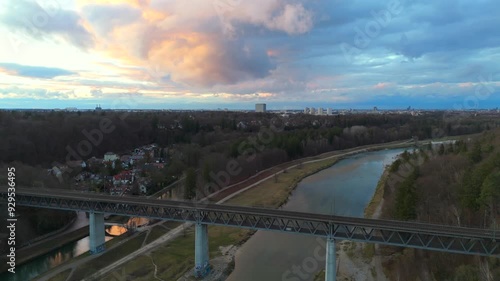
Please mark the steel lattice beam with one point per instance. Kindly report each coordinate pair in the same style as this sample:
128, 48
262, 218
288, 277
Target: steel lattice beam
422, 236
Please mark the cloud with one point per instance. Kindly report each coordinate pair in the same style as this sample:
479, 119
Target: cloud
206, 60
99, 17
34, 93
47, 21
192, 54
274, 15
34, 71
234, 50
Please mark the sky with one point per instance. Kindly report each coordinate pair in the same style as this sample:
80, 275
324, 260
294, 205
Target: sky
209, 54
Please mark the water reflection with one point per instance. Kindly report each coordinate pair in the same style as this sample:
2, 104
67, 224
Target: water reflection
50, 260
136, 222
115, 230
344, 189
132, 223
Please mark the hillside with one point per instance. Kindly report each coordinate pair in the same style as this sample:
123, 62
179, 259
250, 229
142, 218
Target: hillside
448, 183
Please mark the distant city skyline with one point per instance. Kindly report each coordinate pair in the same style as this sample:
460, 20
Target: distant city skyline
162, 54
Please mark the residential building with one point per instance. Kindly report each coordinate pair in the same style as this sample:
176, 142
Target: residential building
110, 157
241, 125
260, 107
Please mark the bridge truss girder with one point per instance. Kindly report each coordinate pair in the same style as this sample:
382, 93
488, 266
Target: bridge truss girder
452, 243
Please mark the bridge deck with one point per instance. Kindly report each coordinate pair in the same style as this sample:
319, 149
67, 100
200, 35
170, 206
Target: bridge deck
398, 233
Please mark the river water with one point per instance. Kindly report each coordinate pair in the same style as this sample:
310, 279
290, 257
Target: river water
50, 260
43, 263
343, 189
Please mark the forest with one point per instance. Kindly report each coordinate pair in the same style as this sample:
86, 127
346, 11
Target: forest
449, 183
42, 138
201, 144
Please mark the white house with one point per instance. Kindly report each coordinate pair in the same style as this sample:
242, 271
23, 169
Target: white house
110, 157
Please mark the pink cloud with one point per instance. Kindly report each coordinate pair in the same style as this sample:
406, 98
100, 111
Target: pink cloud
382, 85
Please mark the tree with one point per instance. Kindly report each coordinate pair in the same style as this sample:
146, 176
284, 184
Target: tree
206, 173
190, 184
395, 166
441, 149
470, 189
406, 156
466, 273
450, 149
475, 153
429, 146
490, 192
406, 198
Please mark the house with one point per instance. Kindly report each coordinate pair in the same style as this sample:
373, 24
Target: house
137, 157
92, 162
57, 172
144, 185
241, 125
159, 160
125, 158
148, 167
126, 161
82, 176
141, 154
123, 178
110, 157
76, 164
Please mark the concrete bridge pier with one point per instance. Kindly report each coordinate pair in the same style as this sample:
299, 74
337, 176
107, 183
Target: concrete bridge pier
331, 264
96, 233
202, 266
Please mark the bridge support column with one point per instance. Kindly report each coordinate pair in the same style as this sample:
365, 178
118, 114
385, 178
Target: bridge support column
202, 266
96, 233
331, 264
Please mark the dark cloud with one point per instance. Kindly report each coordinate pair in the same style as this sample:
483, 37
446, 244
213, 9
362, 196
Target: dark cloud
46, 21
35, 71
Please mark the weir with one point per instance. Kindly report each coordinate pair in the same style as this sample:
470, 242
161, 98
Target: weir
96, 233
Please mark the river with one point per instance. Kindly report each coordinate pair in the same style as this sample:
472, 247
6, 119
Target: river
343, 189
43, 263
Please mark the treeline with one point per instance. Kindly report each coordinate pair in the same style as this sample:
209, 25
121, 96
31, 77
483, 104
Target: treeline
206, 140
453, 184
463, 177
42, 138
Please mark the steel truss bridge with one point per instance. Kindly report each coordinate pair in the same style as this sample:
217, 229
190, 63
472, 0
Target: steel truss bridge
450, 239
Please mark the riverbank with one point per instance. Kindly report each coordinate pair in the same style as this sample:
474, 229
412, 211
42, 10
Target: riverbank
270, 199
171, 260
362, 261
177, 258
